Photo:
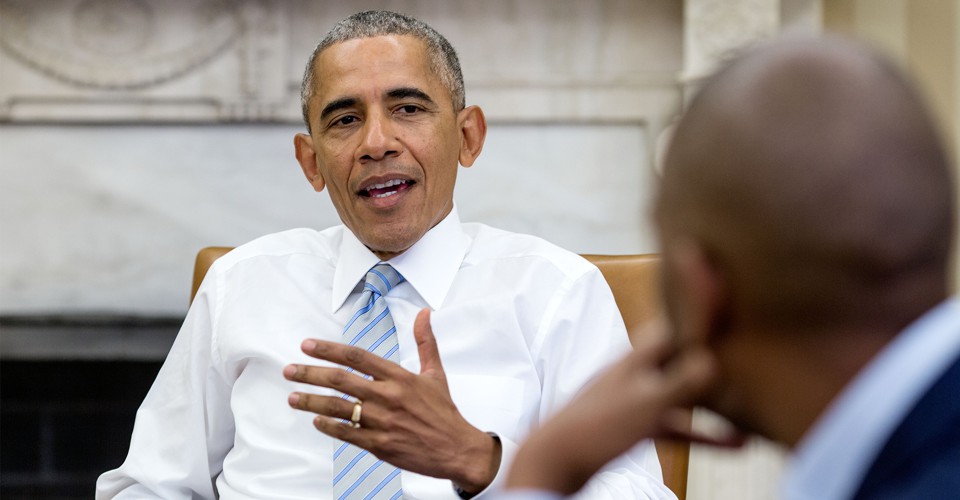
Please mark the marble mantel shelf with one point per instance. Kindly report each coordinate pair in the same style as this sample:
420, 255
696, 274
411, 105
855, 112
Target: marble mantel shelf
87, 337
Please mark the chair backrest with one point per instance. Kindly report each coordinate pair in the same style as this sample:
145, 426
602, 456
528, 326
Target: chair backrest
205, 258
634, 281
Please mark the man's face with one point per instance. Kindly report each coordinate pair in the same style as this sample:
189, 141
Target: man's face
385, 140
695, 297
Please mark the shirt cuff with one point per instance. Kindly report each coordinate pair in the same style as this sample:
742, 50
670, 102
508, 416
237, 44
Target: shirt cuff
508, 449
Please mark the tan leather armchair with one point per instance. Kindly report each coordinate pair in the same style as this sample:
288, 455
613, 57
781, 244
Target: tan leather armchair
634, 281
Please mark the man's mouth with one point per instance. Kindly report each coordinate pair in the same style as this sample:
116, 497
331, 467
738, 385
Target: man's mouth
385, 189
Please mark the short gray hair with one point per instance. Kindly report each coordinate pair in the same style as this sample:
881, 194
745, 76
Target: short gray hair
372, 23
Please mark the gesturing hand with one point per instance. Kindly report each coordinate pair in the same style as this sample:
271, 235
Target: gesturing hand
408, 420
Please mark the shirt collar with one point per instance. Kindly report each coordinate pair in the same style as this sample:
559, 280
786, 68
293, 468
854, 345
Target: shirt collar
834, 456
430, 265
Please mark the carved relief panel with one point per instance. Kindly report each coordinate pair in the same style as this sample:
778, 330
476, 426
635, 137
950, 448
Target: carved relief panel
242, 60
131, 60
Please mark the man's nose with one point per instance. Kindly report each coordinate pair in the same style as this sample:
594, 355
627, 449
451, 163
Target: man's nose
379, 139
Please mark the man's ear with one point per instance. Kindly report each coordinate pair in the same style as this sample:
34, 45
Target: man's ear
701, 293
473, 131
307, 156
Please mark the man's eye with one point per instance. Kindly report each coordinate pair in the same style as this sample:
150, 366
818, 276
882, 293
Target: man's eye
409, 109
346, 120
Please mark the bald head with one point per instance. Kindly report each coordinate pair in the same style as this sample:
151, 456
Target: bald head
815, 182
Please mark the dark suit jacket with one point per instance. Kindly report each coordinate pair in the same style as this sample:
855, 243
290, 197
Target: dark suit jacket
922, 458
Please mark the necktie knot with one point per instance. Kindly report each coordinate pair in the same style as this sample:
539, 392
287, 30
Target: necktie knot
381, 278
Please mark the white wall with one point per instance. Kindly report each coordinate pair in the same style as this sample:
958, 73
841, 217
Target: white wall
108, 218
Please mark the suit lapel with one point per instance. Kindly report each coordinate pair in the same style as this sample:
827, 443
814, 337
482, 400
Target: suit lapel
928, 436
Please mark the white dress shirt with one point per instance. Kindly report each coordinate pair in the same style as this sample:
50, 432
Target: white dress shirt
527, 494
521, 325
833, 457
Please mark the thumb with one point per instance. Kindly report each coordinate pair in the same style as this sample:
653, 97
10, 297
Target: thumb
688, 376
427, 344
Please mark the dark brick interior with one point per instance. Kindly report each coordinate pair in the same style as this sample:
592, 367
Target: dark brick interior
62, 423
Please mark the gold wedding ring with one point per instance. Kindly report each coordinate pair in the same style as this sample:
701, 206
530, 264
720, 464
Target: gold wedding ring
355, 418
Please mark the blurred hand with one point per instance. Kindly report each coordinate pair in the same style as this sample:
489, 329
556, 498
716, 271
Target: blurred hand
647, 394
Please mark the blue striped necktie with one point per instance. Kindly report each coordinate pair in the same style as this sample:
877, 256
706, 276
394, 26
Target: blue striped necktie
357, 473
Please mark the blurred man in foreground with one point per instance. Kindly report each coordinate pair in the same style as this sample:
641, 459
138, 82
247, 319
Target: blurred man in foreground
806, 215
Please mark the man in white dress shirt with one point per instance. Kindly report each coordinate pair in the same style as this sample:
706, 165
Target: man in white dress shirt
248, 403
806, 213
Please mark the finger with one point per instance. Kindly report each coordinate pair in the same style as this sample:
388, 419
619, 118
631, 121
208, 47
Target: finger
651, 347
332, 378
427, 344
354, 357
330, 406
731, 441
688, 376
676, 425
337, 429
